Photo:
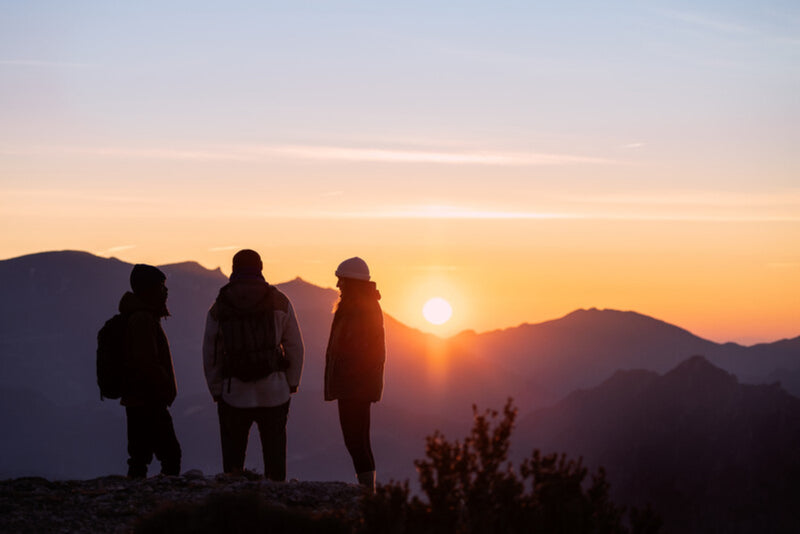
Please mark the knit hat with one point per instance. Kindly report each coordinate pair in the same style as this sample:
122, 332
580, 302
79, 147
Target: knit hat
353, 268
247, 262
145, 277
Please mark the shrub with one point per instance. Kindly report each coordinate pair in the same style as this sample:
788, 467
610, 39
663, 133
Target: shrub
472, 488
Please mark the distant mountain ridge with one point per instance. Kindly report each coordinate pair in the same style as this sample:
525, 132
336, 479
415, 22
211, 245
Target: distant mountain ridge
613, 361
716, 455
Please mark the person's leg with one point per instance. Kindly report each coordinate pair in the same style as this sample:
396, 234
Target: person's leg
272, 429
140, 451
166, 446
234, 428
354, 418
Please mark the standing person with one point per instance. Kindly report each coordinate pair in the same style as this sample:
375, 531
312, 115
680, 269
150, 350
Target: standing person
253, 359
149, 375
354, 362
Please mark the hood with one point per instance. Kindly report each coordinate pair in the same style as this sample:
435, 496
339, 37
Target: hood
131, 302
244, 294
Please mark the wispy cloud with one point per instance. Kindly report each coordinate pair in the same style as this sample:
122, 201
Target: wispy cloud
224, 248
318, 153
784, 265
639, 214
709, 22
454, 212
78, 195
722, 26
790, 198
115, 249
41, 63
381, 155
435, 268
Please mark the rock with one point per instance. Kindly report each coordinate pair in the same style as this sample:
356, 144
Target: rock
114, 504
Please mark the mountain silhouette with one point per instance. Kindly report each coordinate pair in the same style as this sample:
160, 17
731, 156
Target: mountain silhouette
53, 304
712, 454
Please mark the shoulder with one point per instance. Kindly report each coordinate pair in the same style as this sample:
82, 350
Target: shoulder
213, 313
279, 301
141, 321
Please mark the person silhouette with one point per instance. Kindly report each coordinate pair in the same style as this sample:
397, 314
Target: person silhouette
354, 362
253, 360
149, 375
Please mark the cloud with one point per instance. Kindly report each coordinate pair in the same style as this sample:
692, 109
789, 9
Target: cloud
224, 248
784, 265
718, 25
789, 198
452, 212
381, 155
435, 268
316, 153
75, 195
41, 63
115, 249
708, 22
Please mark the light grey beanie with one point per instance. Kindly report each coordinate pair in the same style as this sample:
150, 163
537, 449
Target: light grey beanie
353, 268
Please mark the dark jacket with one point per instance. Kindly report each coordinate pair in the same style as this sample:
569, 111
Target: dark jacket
356, 353
150, 376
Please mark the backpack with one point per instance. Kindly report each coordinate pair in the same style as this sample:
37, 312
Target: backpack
111, 357
248, 340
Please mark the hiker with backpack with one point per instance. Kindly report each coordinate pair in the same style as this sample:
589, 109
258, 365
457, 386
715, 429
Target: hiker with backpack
253, 360
134, 364
354, 362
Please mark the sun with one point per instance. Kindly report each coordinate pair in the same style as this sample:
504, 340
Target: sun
437, 311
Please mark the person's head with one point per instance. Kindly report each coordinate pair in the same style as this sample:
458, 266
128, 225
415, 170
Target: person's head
352, 269
149, 284
353, 280
247, 263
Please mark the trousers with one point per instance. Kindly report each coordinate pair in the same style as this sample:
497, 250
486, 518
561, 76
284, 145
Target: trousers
150, 432
234, 429
354, 419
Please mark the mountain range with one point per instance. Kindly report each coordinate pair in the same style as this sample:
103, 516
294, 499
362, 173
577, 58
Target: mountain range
618, 388
714, 455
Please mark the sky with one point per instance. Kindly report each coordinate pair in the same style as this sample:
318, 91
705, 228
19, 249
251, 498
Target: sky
519, 159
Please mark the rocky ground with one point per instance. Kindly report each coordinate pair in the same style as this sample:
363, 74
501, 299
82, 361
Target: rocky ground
115, 504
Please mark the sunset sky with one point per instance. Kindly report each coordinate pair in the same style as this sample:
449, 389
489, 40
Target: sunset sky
519, 159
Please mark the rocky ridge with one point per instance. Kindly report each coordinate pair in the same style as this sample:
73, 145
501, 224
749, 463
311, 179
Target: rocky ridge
115, 504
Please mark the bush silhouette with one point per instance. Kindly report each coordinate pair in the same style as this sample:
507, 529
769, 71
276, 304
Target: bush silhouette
472, 488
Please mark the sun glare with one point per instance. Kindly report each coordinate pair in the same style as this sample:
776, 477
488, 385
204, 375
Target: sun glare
437, 311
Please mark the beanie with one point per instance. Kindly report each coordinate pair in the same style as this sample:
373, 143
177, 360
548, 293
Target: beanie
144, 277
247, 262
353, 268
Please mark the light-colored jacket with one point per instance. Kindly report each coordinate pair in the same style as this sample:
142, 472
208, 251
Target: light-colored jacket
274, 389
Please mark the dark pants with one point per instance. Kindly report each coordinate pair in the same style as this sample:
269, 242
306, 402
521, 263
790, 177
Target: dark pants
150, 432
354, 420
234, 429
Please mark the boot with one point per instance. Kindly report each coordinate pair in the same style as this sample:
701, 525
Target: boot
367, 479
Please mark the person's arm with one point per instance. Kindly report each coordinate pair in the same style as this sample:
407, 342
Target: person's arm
293, 350
144, 368
212, 360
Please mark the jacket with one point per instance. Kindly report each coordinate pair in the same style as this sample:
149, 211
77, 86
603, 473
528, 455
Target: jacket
149, 371
356, 353
275, 388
